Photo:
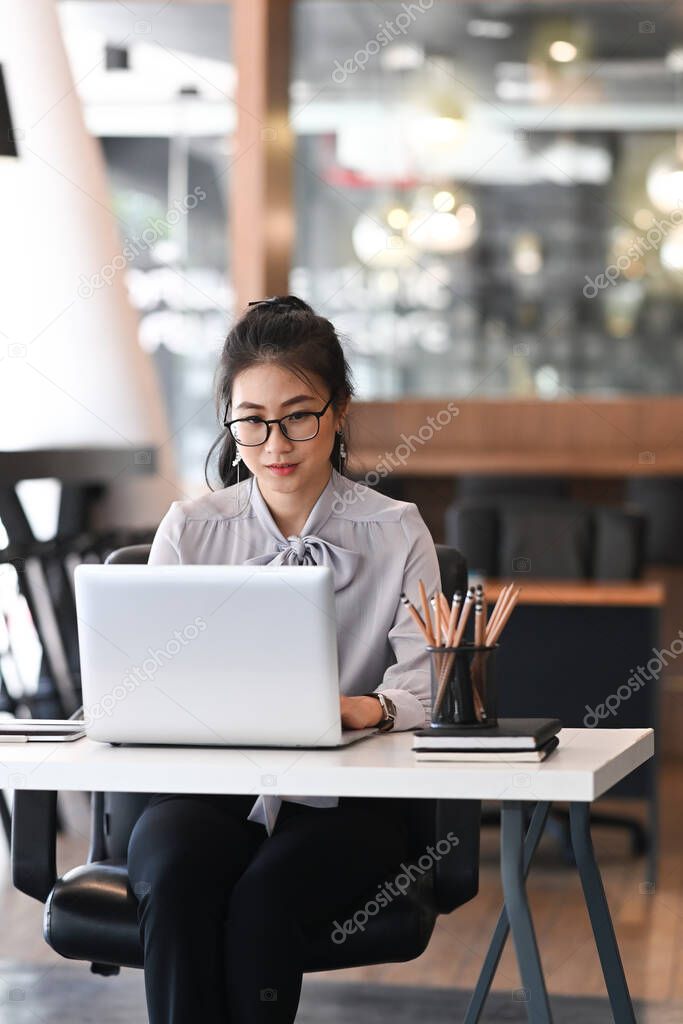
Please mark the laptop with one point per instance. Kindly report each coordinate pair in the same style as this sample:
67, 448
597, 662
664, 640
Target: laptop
210, 655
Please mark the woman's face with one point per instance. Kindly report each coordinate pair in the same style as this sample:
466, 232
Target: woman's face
269, 391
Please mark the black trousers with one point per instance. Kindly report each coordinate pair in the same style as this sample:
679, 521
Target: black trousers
223, 907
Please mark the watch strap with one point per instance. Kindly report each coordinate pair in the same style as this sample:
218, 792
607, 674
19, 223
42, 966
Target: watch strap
388, 711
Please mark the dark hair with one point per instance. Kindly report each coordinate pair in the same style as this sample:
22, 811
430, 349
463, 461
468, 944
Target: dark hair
282, 330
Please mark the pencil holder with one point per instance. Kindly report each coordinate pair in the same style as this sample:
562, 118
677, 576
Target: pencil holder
463, 686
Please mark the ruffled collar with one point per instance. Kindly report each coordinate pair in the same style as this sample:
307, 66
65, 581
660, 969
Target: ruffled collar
308, 547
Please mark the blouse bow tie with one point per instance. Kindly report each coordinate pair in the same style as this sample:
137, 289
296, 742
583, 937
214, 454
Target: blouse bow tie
311, 550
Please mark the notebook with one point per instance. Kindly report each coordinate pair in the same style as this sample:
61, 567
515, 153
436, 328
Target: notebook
41, 730
509, 734
489, 756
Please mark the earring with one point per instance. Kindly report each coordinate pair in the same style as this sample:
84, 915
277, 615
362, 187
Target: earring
236, 462
342, 449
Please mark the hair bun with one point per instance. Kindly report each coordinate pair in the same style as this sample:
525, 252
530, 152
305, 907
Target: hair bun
284, 302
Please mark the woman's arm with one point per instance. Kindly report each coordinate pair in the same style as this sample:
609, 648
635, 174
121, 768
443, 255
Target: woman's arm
166, 543
408, 682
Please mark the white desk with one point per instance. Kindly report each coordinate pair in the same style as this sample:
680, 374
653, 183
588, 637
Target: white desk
587, 763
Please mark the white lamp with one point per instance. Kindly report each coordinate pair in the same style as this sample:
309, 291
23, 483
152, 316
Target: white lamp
72, 373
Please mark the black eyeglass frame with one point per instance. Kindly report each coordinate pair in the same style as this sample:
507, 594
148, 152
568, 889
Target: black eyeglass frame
242, 419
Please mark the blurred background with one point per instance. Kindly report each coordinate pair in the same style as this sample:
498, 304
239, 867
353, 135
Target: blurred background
486, 198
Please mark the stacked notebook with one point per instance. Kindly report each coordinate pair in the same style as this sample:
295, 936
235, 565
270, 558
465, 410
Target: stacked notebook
512, 740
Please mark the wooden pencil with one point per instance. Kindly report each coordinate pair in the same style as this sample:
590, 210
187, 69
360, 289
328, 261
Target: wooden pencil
464, 616
498, 608
479, 620
504, 617
437, 619
415, 615
427, 616
453, 618
479, 659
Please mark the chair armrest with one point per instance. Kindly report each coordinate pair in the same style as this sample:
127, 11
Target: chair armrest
448, 832
33, 847
456, 878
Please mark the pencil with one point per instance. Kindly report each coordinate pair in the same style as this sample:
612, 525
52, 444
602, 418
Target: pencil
464, 615
479, 659
504, 617
438, 627
453, 618
427, 616
498, 608
479, 623
415, 615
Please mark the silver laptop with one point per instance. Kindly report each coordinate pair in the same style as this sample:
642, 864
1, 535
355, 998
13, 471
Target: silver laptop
210, 655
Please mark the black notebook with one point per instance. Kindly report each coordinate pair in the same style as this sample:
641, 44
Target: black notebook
509, 734
487, 756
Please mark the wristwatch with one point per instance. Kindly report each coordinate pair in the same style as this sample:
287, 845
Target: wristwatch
388, 711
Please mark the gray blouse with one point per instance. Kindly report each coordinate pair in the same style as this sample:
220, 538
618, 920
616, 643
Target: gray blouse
376, 547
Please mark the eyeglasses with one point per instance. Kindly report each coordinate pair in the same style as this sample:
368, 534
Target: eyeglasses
298, 426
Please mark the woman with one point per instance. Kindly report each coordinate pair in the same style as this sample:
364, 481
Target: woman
228, 887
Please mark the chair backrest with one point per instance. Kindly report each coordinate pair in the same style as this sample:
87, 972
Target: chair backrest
453, 569
492, 486
660, 500
547, 538
133, 554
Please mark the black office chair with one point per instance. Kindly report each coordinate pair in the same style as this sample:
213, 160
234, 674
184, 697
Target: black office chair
547, 537
91, 913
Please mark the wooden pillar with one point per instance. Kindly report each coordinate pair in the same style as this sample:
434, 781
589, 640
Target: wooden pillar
261, 213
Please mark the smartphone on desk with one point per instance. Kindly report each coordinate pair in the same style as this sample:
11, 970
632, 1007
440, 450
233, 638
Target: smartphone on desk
46, 730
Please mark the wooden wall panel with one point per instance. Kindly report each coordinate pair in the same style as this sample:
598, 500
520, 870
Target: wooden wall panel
586, 438
261, 217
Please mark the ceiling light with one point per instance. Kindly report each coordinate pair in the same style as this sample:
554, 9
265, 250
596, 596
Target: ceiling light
485, 28
443, 131
674, 60
443, 201
527, 256
671, 253
664, 182
378, 244
397, 218
402, 57
562, 51
442, 232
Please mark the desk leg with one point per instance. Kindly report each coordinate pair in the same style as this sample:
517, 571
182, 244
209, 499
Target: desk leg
598, 910
481, 991
519, 915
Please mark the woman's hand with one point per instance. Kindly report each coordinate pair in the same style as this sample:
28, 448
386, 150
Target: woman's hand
360, 712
